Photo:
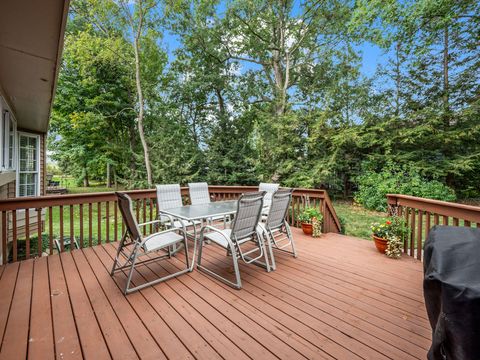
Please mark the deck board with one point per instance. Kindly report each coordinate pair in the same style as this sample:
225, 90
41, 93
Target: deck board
14, 345
41, 329
339, 299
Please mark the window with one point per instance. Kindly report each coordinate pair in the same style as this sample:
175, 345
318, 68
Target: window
28, 165
9, 128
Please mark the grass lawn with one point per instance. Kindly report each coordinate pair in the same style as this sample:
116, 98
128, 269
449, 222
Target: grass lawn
357, 219
71, 185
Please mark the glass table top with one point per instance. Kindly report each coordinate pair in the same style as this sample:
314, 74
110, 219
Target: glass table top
197, 212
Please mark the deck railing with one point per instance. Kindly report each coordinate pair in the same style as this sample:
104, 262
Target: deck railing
422, 214
36, 226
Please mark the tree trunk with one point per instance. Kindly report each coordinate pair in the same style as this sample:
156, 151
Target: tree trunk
86, 183
140, 102
109, 179
280, 89
397, 80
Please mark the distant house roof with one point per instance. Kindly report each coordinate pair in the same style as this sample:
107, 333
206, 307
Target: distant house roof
31, 42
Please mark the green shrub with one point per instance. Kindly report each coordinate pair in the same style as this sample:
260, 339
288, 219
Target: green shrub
374, 186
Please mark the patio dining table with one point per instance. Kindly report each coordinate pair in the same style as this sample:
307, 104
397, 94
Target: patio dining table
192, 213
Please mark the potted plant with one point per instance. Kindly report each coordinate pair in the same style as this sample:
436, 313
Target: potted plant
308, 218
388, 236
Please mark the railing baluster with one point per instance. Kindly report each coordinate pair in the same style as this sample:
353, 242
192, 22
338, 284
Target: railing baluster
14, 235
107, 222
412, 232
467, 223
50, 230
419, 235
151, 214
62, 245
39, 232
72, 236
4, 237
445, 220
405, 240
137, 210
427, 224
80, 214
436, 219
144, 209
90, 232
99, 223
27, 233
115, 220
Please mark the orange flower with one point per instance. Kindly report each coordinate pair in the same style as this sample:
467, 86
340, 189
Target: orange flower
389, 223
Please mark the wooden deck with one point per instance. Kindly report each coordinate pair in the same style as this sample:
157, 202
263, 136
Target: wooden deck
339, 299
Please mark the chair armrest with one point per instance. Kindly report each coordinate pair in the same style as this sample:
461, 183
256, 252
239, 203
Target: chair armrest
149, 222
214, 229
170, 217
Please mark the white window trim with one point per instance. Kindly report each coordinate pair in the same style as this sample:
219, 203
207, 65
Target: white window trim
5, 142
21, 133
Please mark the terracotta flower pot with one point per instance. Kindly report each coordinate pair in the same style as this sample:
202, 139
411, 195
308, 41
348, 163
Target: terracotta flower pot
380, 243
307, 228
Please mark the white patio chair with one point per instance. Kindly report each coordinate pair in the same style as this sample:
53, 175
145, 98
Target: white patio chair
134, 245
200, 195
275, 229
168, 197
235, 240
269, 189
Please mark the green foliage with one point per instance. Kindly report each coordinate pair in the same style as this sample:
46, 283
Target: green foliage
238, 102
374, 186
310, 213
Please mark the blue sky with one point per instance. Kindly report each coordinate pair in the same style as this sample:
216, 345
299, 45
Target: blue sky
372, 55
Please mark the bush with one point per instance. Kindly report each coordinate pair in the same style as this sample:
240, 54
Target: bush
373, 187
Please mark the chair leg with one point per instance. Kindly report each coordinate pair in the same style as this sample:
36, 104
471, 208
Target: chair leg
270, 250
237, 284
119, 249
185, 243
130, 274
129, 290
290, 236
200, 249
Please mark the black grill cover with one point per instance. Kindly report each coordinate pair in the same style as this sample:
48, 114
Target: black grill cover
452, 292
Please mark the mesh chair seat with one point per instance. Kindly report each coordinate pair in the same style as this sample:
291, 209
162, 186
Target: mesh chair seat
219, 237
160, 241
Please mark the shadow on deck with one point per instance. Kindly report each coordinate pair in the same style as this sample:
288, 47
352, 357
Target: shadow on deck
339, 299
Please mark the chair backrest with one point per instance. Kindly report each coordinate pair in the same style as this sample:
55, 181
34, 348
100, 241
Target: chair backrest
169, 196
278, 209
126, 209
249, 211
269, 188
199, 193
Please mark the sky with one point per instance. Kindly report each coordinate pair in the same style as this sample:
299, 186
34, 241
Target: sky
372, 55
